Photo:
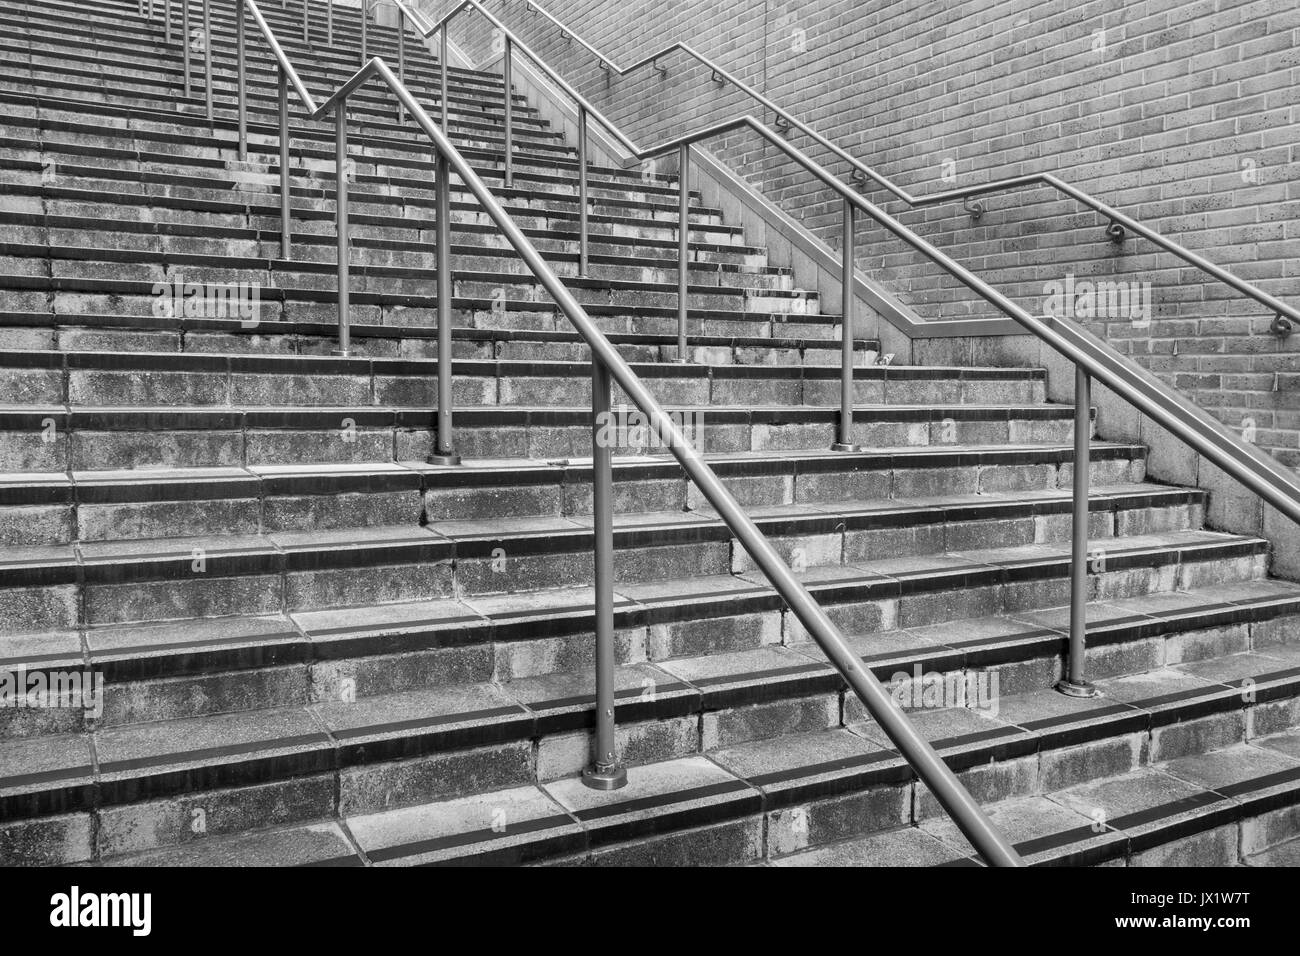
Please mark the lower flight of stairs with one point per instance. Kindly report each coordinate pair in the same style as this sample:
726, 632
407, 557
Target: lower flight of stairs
318, 649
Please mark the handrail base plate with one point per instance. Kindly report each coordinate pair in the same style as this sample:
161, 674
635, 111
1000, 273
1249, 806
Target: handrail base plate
1070, 689
598, 778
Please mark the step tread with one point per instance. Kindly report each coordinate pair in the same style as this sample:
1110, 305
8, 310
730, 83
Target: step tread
576, 526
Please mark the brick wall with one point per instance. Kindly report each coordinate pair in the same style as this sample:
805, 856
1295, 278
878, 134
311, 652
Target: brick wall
1184, 114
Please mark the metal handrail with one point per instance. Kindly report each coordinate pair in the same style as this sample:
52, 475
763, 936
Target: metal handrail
608, 366
860, 172
1256, 471
1092, 359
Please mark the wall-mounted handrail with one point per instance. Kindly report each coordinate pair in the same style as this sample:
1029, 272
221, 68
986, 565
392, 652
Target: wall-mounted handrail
609, 367
860, 172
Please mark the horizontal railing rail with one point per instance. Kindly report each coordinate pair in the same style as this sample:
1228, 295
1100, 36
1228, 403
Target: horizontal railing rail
608, 368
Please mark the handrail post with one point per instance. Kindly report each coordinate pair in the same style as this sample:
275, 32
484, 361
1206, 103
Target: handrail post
285, 235
442, 75
207, 57
306, 20
341, 222
847, 271
683, 245
365, 10
510, 112
185, 40
329, 22
401, 54
167, 21
1075, 682
584, 254
444, 450
241, 71
604, 772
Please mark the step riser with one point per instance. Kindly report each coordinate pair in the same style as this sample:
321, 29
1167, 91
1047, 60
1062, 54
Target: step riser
270, 510
366, 343
192, 385
351, 440
508, 291
201, 586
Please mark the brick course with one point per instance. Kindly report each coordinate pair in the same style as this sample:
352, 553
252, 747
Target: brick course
1182, 114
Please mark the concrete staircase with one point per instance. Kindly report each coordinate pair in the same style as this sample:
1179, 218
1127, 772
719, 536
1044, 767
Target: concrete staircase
320, 650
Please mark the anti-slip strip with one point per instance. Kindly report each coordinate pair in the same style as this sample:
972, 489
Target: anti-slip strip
206, 753
428, 723
1255, 784
46, 776
662, 800
630, 695
469, 838
1096, 713
100, 653
840, 765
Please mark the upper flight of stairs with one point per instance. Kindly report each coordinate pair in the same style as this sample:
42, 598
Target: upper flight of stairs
319, 649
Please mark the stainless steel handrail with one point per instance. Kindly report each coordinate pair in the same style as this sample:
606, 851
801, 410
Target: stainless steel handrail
860, 172
1256, 471
609, 367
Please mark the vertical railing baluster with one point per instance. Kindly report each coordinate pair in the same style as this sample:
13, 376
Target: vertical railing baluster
167, 21
306, 21
683, 245
401, 54
604, 772
443, 90
185, 40
1075, 683
444, 451
241, 71
506, 80
583, 238
329, 22
847, 271
207, 57
341, 223
286, 237
365, 11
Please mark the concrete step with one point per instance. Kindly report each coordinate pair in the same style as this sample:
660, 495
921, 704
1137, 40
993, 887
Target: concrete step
54, 590
165, 670
194, 379
306, 298
98, 197
168, 232
148, 333
62, 118
623, 257
62, 162
1232, 806
195, 275
314, 189
78, 438
695, 795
